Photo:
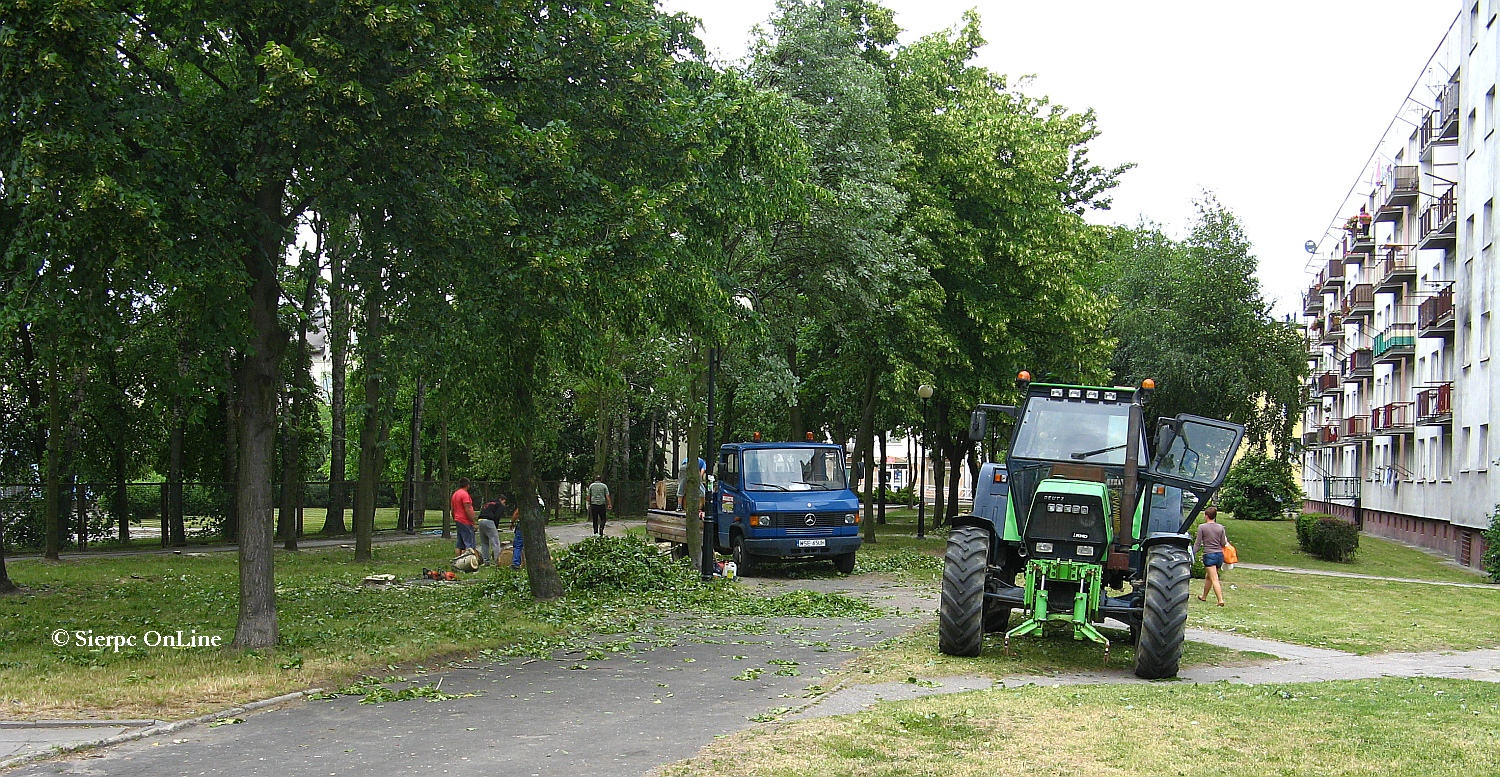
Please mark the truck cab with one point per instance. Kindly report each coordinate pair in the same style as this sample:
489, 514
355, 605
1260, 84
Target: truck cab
785, 501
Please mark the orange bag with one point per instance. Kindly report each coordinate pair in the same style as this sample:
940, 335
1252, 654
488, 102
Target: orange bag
1230, 556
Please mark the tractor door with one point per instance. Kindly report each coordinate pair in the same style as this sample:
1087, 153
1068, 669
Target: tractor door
1193, 453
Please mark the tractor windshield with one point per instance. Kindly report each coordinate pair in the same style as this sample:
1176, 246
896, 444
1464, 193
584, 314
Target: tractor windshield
1062, 430
794, 469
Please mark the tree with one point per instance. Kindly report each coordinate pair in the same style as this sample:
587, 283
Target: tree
1191, 316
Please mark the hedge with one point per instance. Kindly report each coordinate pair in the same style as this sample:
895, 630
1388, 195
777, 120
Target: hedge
1333, 539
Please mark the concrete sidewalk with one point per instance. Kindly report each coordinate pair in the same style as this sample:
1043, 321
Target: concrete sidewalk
23, 738
1332, 573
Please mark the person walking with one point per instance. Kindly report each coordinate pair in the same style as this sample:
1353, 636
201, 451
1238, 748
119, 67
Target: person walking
463, 516
488, 531
1211, 540
600, 503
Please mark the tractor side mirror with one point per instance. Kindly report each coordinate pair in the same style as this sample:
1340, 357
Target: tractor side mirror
979, 423
1166, 432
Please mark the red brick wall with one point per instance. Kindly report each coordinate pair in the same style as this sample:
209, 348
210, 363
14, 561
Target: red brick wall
1430, 533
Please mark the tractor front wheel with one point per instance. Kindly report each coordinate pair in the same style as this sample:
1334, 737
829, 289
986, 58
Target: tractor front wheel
961, 615
1158, 649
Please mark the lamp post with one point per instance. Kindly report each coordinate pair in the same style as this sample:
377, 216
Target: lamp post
925, 392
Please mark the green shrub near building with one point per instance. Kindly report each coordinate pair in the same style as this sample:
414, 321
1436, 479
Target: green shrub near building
1260, 488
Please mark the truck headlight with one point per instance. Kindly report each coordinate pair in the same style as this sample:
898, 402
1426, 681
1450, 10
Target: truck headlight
1044, 547
1085, 550
850, 518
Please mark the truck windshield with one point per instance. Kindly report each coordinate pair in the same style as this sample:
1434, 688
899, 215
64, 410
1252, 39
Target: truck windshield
794, 469
1060, 430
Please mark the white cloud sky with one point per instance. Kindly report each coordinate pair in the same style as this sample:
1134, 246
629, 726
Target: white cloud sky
1272, 106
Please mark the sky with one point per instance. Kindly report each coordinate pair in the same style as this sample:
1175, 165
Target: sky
1273, 107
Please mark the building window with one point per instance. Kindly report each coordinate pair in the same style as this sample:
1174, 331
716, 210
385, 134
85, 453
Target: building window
1484, 335
1489, 112
1489, 218
1445, 456
1464, 464
1482, 449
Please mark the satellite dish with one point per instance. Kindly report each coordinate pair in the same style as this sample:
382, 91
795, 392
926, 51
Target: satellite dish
1310, 247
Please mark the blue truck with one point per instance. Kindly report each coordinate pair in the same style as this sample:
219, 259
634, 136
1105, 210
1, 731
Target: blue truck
777, 501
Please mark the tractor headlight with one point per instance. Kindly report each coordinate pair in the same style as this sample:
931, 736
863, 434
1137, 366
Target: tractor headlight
1044, 547
1085, 550
849, 518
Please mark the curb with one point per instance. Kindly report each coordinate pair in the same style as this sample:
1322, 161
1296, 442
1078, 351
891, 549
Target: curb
155, 728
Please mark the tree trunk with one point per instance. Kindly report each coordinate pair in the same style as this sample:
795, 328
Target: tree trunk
414, 462
52, 521
338, 344
692, 502
864, 445
259, 378
286, 523
602, 431
443, 475
177, 532
939, 472
540, 572
6, 586
956, 462
231, 455
880, 516
370, 459
937, 485
120, 503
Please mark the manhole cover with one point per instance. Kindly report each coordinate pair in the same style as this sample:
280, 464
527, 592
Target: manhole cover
1276, 587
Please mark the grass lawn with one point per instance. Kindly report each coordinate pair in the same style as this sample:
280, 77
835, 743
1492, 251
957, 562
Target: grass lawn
1363, 728
1358, 616
1275, 543
332, 628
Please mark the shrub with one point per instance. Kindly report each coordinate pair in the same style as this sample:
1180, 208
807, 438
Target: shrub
1492, 546
613, 564
1260, 488
1332, 539
1305, 523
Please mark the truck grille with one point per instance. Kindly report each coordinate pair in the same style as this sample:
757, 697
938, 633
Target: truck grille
797, 523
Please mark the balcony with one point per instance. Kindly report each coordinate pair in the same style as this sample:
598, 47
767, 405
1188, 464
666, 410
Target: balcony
1333, 331
1329, 433
1360, 302
1359, 364
1396, 266
1312, 302
1356, 427
1439, 226
1329, 383
1400, 184
1440, 125
1435, 315
1397, 342
1359, 240
1394, 418
1309, 439
1332, 277
1435, 405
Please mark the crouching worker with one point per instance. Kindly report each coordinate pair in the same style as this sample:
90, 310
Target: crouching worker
488, 531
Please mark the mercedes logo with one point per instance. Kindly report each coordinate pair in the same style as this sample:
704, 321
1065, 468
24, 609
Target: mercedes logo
812, 520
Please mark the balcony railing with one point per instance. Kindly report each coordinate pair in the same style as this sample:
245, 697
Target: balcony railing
1402, 185
1360, 300
1312, 302
1395, 339
1435, 404
1438, 226
1436, 312
1329, 432
1332, 276
1396, 264
1329, 381
1359, 364
1394, 417
1447, 110
1310, 439
1357, 426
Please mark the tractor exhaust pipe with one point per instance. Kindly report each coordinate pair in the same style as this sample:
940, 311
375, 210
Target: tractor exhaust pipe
1120, 557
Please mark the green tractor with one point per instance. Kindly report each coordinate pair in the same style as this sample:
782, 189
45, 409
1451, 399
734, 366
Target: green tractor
1081, 508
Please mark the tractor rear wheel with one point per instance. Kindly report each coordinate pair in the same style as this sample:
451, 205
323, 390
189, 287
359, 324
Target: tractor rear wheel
1158, 649
961, 615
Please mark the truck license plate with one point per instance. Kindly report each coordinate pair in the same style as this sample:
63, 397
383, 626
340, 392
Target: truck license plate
812, 543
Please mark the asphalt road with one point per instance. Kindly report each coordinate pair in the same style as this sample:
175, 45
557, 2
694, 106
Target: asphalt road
623, 715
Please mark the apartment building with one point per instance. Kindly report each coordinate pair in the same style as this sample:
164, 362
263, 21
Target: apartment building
1399, 317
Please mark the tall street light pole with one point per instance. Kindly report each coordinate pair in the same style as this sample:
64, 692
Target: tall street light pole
925, 392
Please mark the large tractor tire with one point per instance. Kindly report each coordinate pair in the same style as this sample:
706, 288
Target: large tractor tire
1158, 650
961, 615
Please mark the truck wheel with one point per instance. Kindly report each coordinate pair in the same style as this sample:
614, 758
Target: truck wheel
744, 561
961, 615
1158, 649
844, 563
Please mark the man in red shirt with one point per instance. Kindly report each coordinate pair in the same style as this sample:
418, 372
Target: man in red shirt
463, 516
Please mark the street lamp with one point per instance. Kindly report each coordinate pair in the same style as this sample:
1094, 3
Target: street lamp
925, 392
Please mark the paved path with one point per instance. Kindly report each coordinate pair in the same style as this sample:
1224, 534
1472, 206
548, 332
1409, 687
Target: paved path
1331, 573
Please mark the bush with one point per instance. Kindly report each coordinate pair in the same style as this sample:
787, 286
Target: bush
1492, 546
1260, 488
614, 564
1332, 539
1305, 523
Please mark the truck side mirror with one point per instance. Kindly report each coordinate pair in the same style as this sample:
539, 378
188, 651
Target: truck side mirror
979, 422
